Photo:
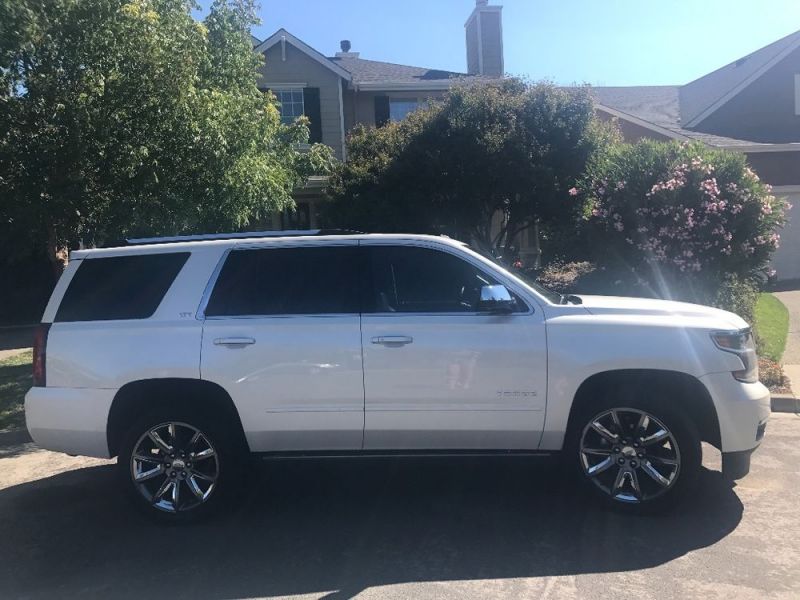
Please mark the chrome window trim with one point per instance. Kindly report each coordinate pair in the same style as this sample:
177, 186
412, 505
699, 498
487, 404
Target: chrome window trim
282, 316
366, 314
447, 314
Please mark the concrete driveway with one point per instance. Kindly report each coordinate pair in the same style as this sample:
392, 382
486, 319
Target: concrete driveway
443, 528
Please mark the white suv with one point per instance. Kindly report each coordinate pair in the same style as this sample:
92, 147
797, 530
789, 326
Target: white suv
181, 356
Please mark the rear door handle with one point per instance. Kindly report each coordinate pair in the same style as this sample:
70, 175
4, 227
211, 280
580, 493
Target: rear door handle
234, 341
393, 340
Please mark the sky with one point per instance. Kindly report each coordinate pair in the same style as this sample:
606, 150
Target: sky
601, 42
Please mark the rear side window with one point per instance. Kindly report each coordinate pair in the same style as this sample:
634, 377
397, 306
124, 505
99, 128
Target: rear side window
119, 287
286, 281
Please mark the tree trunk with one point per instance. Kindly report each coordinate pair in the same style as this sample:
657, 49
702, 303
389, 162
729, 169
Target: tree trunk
57, 252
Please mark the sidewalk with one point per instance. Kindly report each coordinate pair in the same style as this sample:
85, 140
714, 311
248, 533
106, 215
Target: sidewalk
791, 356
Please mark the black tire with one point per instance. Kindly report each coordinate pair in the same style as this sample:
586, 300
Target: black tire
229, 456
654, 495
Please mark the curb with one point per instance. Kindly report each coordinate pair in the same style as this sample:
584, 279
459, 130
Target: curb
785, 403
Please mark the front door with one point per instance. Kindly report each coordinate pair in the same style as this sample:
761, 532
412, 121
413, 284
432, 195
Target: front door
282, 337
438, 374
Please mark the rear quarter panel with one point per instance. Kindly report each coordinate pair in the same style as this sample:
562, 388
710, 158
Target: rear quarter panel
109, 354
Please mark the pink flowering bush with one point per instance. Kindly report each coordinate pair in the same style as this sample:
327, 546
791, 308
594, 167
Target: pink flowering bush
680, 220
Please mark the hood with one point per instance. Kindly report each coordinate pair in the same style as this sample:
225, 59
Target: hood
619, 305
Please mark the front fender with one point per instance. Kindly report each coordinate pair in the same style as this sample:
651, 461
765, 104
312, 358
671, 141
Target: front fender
581, 346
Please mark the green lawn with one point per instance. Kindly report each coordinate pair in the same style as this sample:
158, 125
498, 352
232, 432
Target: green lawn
772, 326
15, 380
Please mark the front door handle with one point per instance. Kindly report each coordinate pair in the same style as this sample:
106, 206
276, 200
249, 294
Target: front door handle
393, 340
234, 341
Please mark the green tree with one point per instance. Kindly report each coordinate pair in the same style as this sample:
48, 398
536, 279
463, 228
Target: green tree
126, 117
509, 149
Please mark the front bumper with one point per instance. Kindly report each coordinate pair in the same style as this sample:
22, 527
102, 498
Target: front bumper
742, 412
71, 420
736, 465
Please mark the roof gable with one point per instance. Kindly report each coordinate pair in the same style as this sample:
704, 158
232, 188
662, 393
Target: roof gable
284, 36
705, 95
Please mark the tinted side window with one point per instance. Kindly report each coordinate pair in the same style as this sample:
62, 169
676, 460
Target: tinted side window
119, 287
285, 281
414, 279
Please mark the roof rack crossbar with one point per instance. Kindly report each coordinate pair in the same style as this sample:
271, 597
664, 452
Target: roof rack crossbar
237, 235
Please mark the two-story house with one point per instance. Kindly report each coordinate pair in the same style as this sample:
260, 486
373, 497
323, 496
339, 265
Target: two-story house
751, 105
337, 92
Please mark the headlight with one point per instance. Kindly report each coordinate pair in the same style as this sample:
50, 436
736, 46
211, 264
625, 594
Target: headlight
742, 345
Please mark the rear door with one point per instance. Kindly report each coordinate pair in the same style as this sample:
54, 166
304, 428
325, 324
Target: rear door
438, 374
282, 336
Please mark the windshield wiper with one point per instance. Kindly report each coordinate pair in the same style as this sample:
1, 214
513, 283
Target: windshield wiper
570, 298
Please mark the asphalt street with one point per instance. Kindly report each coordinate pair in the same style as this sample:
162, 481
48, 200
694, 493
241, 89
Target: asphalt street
402, 528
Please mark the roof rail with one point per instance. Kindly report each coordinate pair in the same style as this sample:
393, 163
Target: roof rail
237, 235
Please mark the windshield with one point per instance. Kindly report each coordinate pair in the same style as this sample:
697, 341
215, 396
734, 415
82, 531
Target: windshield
528, 279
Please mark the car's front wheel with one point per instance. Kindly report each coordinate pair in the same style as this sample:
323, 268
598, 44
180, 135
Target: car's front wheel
637, 457
177, 466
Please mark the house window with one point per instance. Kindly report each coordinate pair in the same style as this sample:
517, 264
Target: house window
398, 109
797, 95
291, 104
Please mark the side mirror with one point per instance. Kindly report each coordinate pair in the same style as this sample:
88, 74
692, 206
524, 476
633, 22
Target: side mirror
496, 299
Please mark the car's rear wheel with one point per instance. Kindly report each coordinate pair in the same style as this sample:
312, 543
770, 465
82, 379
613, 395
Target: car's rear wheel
179, 467
636, 456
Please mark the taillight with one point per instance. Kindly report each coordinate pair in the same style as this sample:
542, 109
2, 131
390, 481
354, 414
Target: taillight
40, 355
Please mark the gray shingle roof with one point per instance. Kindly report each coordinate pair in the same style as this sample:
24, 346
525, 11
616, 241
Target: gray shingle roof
656, 104
661, 106
374, 71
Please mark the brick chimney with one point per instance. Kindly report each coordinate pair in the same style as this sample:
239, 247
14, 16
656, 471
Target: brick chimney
484, 30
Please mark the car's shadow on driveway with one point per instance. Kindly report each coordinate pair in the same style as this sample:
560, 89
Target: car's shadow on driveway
338, 527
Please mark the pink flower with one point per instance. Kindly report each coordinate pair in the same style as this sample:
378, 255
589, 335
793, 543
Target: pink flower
573, 191
709, 186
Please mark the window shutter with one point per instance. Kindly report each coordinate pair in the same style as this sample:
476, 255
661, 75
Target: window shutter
312, 111
381, 110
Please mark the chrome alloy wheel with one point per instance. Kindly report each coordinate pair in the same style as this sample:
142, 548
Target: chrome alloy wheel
630, 455
175, 467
